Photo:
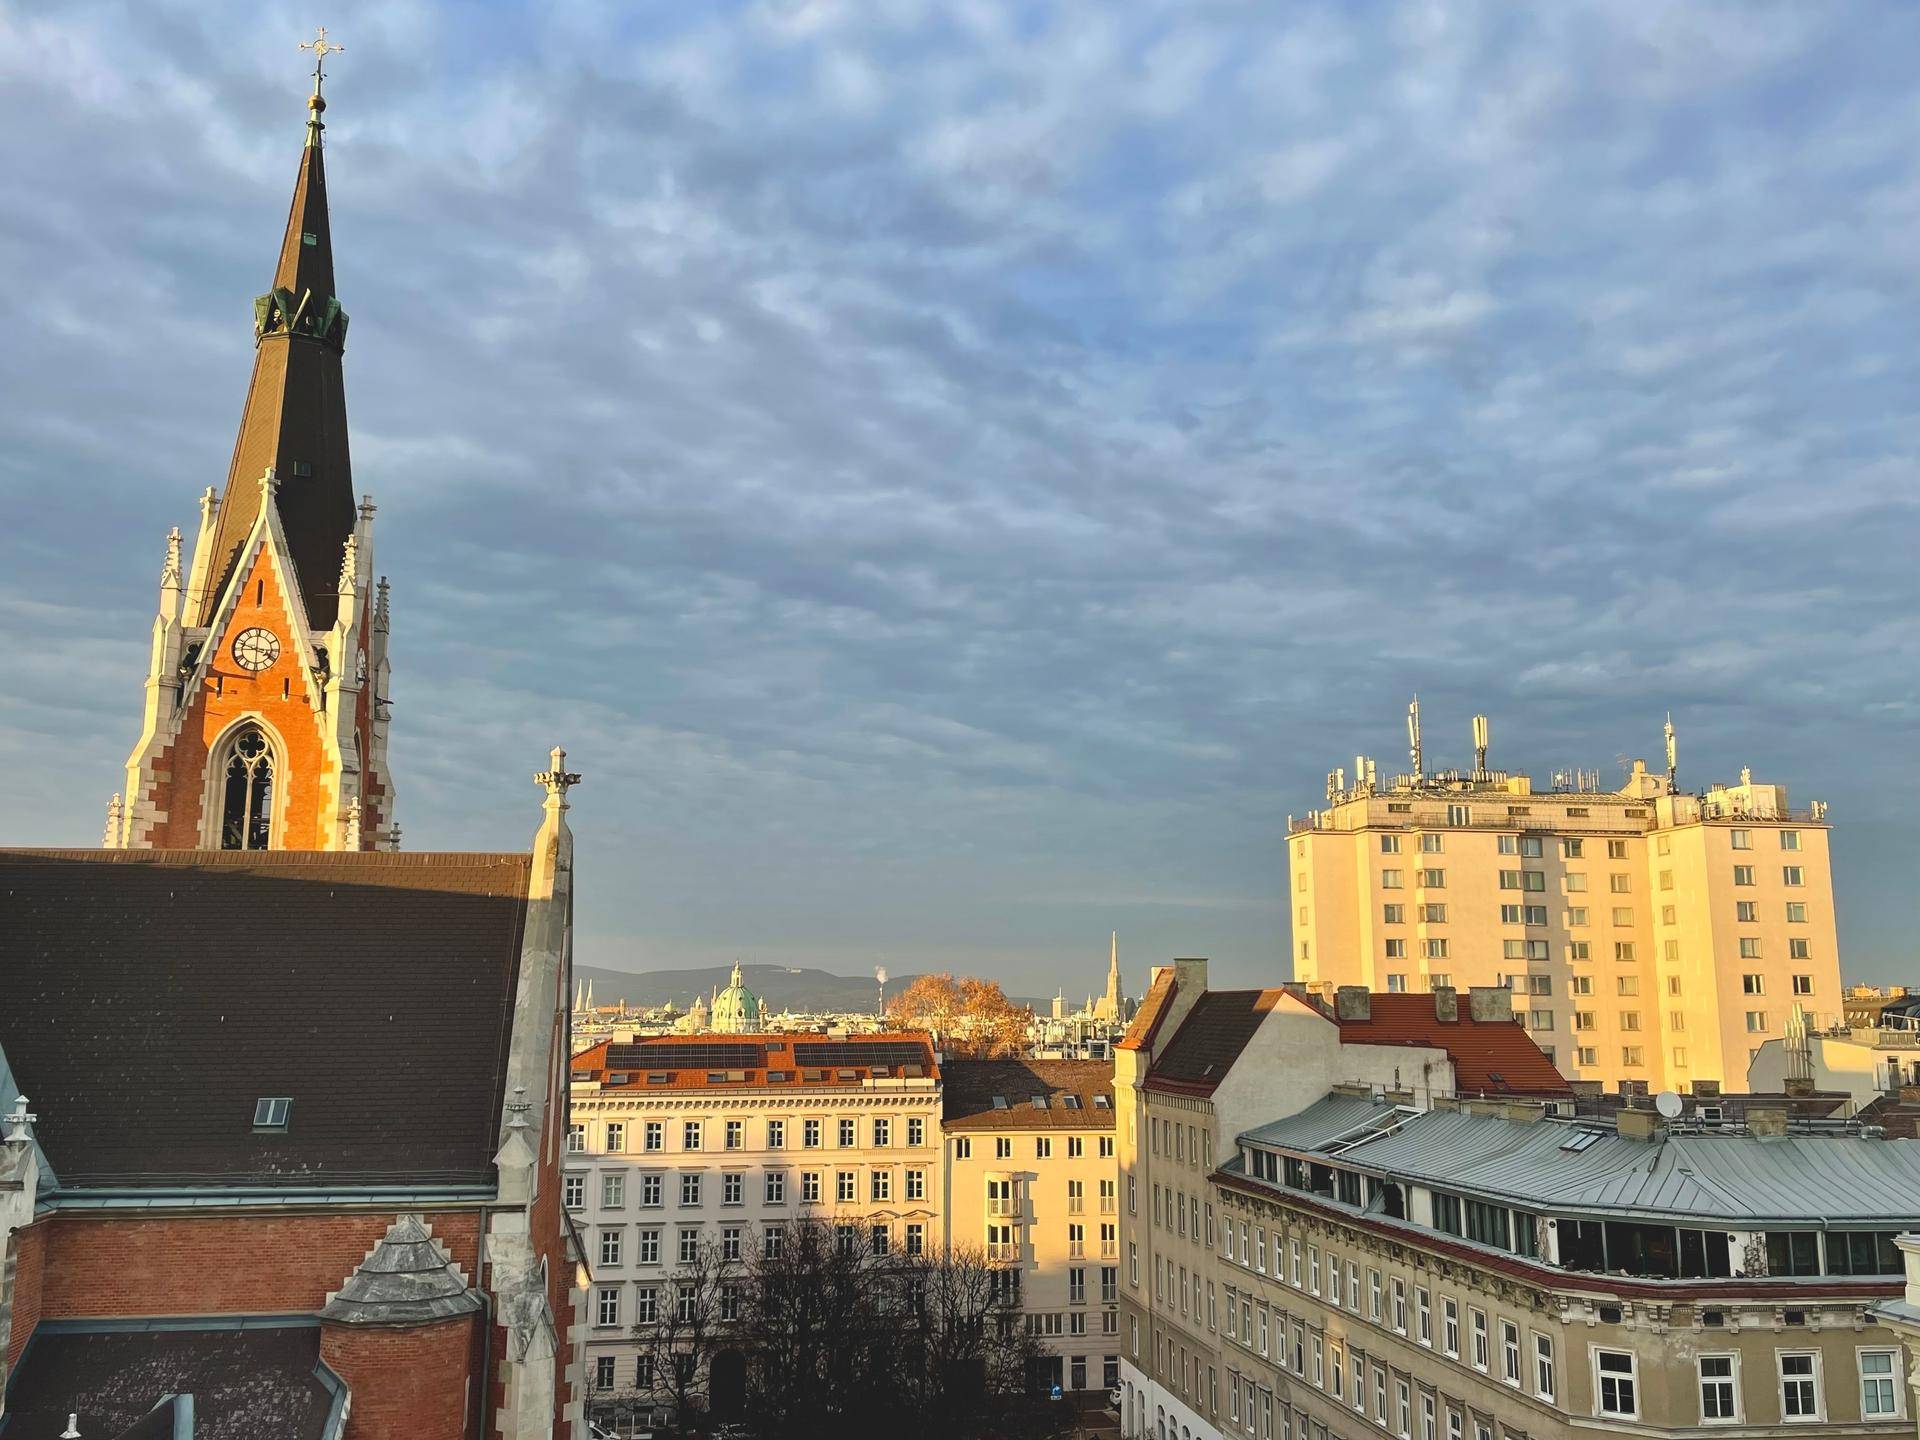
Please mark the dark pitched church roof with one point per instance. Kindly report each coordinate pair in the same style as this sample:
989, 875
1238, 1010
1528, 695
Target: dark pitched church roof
149, 999
295, 417
115, 1378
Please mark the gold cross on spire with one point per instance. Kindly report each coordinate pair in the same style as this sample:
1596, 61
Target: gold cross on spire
321, 47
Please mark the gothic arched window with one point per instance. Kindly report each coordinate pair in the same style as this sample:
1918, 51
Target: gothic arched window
246, 817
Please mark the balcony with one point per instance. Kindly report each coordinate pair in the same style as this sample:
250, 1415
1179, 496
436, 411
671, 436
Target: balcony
1003, 1208
1004, 1251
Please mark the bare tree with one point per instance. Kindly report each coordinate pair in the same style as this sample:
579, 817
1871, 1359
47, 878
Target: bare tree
691, 1317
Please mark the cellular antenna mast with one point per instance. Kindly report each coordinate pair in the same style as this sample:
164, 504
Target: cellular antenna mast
1673, 752
1413, 738
1480, 734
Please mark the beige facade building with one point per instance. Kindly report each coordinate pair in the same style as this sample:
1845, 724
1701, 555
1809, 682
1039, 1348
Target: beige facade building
1031, 1179
684, 1142
1200, 1066
1646, 934
1446, 1273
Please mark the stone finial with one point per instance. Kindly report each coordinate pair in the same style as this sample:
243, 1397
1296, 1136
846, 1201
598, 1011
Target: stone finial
350, 565
170, 572
557, 779
367, 507
209, 498
17, 1120
269, 485
116, 820
517, 1109
72, 1432
380, 606
392, 837
351, 838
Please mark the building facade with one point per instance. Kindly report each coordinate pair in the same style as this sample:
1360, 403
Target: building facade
1482, 1270
1647, 934
1032, 1180
1200, 1066
686, 1146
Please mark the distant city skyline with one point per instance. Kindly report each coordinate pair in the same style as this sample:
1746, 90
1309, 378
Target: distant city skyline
955, 482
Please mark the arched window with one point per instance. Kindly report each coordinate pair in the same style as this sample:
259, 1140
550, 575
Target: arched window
246, 816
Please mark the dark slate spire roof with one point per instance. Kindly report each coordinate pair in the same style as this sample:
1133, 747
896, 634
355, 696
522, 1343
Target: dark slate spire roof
295, 418
405, 1280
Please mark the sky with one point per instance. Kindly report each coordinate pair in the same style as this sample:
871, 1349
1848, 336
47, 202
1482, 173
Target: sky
955, 476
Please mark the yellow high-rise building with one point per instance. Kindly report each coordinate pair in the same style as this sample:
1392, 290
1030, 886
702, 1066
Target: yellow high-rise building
1647, 934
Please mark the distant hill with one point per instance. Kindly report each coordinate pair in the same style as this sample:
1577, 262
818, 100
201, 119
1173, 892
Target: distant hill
781, 987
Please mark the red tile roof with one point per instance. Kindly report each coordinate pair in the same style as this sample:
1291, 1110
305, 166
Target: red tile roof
1490, 1056
756, 1062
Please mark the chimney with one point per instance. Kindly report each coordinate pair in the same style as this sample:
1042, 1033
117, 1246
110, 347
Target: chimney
1633, 1124
1797, 1086
1446, 1004
1587, 1089
1489, 1002
1766, 1120
1353, 1002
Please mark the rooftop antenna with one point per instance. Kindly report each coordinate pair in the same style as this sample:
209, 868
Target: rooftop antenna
1413, 738
1673, 752
1480, 734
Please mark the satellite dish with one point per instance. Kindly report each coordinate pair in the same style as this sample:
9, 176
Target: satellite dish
1668, 1104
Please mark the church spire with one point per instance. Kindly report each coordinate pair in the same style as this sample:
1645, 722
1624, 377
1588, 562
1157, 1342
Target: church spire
295, 417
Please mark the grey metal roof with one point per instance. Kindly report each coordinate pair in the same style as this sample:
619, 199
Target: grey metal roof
1842, 1179
406, 1279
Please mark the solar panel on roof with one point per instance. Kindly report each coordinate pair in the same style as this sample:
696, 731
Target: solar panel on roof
1579, 1140
832, 1054
642, 1055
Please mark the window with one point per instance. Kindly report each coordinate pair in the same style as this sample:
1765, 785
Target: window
963, 1149
776, 1187
650, 1245
1756, 1022
1393, 914
1433, 914
1743, 874
1879, 1382
1789, 839
1580, 985
1796, 912
1510, 1353
1623, 917
610, 1246
1616, 849
1478, 1323
880, 1185
916, 1184
689, 1244
1632, 1057
849, 1136
1626, 984
1614, 1392
1622, 949
1389, 845
1450, 1326
574, 1192
690, 1135
1433, 879
1432, 844
730, 1242
733, 1188
576, 1134
613, 1191
1746, 912
1803, 984
776, 1134
1740, 839
616, 1137
1752, 984
689, 1189
1042, 1148
1459, 815
1422, 1315
1396, 949
810, 1134
843, 1186
1573, 849
1399, 1305
1719, 1389
246, 816
1750, 950
1002, 1147
1434, 949
650, 1187
607, 1308
882, 1132
1543, 1377
1579, 949
603, 1376
656, 1135
1389, 879
646, 1305
1586, 1055
1799, 1385
1666, 880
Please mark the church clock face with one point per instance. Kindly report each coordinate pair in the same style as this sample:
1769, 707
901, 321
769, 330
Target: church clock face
255, 649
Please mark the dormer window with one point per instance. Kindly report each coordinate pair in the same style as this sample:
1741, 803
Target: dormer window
270, 1112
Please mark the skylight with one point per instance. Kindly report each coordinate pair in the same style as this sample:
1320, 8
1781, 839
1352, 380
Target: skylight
1070, 1102
270, 1113
1579, 1140
1102, 1102
1039, 1102
999, 1102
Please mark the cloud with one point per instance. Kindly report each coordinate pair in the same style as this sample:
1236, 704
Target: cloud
950, 474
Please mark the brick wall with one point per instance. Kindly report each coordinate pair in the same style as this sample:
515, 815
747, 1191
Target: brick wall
214, 1264
407, 1383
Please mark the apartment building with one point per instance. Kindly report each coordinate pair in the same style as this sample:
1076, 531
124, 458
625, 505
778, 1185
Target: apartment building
1481, 1269
1646, 934
1032, 1179
1199, 1065
679, 1142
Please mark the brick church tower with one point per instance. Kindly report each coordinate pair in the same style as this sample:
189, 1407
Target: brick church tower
266, 719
